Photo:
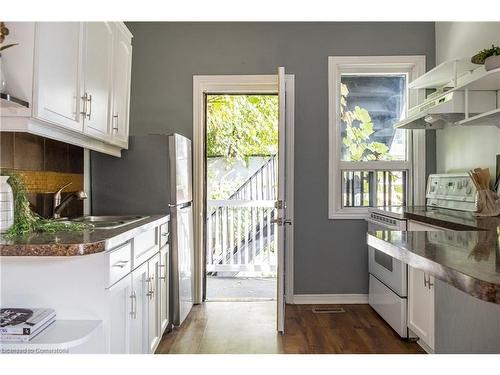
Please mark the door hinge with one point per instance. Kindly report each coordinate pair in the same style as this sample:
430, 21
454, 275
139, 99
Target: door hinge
280, 205
281, 221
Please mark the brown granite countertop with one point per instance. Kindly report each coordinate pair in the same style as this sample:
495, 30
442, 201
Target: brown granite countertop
469, 260
86, 242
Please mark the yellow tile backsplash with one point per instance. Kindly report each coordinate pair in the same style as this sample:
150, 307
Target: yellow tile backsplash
47, 182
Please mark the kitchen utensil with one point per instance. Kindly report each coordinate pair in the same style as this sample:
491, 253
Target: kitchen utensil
487, 201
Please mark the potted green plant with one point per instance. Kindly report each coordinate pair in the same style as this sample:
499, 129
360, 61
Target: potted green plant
490, 57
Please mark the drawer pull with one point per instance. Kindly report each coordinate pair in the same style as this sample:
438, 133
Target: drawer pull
165, 234
120, 263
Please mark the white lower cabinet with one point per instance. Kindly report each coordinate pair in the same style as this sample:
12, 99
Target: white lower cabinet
163, 276
421, 306
121, 307
139, 310
139, 307
153, 304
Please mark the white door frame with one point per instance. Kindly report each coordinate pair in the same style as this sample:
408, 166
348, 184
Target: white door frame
247, 84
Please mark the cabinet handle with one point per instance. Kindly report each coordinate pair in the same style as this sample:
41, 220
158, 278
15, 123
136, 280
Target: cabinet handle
115, 128
133, 305
427, 282
90, 106
162, 277
150, 292
84, 98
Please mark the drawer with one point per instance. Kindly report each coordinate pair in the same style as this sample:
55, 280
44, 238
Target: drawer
119, 262
389, 305
164, 234
145, 246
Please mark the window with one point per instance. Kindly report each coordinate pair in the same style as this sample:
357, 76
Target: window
371, 163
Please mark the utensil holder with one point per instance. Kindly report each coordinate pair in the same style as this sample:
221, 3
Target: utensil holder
487, 203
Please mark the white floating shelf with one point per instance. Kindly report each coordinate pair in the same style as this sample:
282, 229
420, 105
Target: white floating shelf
60, 335
418, 122
490, 118
445, 74
481, 80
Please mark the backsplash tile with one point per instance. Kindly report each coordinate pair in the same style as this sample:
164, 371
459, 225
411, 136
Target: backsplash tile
28, 152
56, 156
7, 150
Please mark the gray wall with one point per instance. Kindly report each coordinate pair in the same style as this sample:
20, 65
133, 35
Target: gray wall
330, 256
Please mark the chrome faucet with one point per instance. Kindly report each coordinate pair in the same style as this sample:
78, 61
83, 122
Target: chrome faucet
60, 204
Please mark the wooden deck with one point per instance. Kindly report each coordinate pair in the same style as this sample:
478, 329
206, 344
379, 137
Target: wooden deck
249, 328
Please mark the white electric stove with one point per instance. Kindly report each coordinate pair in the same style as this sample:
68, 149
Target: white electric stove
388, 277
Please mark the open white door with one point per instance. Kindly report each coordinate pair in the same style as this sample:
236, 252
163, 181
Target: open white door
281, 220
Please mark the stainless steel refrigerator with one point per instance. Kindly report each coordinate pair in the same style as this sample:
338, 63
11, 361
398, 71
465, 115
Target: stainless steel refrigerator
154, 176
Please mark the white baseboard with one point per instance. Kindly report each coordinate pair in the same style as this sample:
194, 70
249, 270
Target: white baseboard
320, 299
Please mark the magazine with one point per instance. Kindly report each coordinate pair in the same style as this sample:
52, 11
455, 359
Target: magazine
20, 321
25, 338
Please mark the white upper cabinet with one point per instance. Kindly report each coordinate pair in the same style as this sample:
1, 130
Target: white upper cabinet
80, 88
122, 59
97, 81
57, 73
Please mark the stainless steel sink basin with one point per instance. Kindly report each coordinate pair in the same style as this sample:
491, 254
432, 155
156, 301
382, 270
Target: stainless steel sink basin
108, 222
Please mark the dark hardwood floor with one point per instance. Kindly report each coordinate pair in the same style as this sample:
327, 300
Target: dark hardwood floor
250, 328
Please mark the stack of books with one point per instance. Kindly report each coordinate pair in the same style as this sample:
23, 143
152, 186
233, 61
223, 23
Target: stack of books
21, 325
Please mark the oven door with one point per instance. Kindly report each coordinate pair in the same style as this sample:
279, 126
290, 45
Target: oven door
390, 271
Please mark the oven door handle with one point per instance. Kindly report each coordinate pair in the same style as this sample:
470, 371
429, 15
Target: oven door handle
389, 226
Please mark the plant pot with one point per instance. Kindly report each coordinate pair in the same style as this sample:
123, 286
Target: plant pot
492, 62
2, 78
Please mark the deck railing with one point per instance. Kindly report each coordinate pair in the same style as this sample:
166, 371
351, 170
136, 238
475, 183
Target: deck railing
240, 229
260, 185
241, 236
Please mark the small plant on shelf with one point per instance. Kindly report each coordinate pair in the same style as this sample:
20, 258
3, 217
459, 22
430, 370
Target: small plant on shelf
481, 57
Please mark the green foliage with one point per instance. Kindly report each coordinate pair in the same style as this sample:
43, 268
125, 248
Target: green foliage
26, 221
359, 128
221, 188
239, 126
485, 53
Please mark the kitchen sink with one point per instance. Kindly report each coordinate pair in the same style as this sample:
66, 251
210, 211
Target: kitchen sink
108, 222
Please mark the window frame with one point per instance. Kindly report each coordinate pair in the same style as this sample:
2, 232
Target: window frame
413, 66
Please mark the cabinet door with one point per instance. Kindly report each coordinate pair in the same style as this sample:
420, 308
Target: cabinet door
153, 299
163, 275
421, 305
139, 318
58, 73
120, 312
122, 62
98, 52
